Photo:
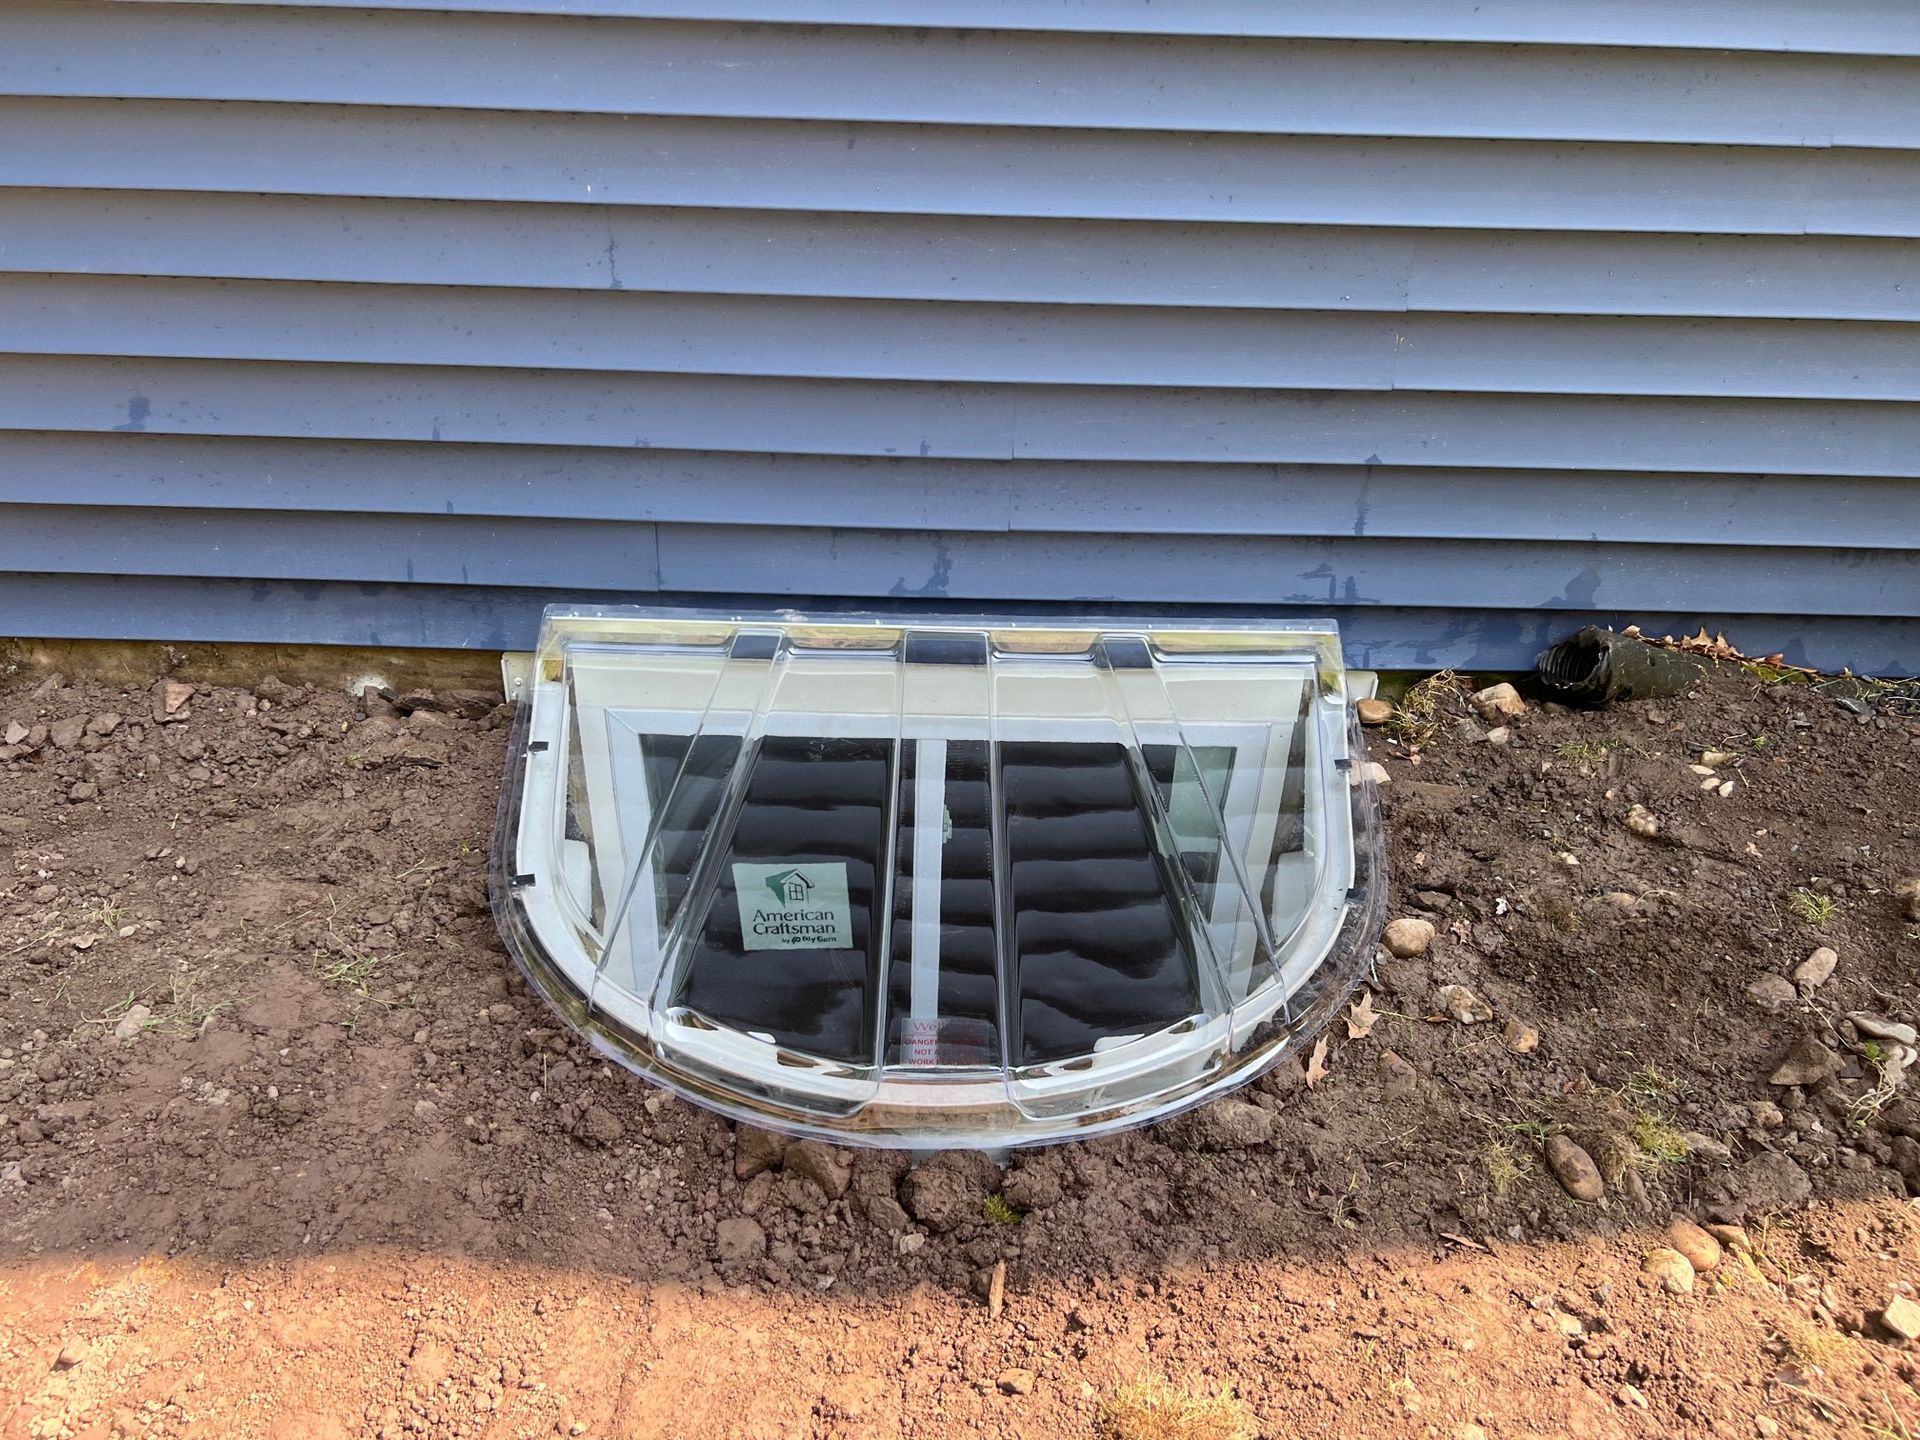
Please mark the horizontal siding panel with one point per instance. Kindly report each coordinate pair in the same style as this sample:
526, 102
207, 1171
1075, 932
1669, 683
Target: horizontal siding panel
918, 340
1544, 273
445, 549
592, 247
1858, 27
928, 169
1258, 571
1063, 497
1040, 422
970, 77
1246, 570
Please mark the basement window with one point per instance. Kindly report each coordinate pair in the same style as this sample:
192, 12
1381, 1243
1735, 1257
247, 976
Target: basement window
906, 880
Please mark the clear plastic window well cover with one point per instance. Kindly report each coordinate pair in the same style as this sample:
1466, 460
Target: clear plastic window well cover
926, 882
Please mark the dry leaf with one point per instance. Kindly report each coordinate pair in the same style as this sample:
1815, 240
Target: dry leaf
1360, 1017
1317, 1062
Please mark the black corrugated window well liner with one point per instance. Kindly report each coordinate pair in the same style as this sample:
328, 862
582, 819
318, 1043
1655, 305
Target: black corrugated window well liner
929, 882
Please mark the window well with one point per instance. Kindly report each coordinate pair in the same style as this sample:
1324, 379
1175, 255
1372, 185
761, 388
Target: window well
907, 880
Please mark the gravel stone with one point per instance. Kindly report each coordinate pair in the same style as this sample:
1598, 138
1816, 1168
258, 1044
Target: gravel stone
1668, 1269
1574, 1169
1700, 1248
1408, 937
1815, 970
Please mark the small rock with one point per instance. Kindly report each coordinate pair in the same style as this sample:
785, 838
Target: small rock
1767, 1183
1630, 1395
1902, 1317
1499, 735
1573, 1168
1377, 773
1816, 968
799, 1193
757, 1192
1668, 1269
1466, 732
1499, 702
103, 724
1033, 1187
1704, 1147
132, 1023
885, 1213
755, 1150
83, 791
1765, 1426
16, 733
1641, 821
1772, 993
1373, 712
65, 734
1909, 891
71, 1354
1222, 1125
1732, 1237
1459, 1003
1807, 1063
1401, 1078
170, 698
1766, 1114
949, 1190
600, 1126
739, 1241
1520, 1037
1015, 1382
1698, 1245
1408, 937
1613, 1154
1881, 1028
1622, 900
822, 1164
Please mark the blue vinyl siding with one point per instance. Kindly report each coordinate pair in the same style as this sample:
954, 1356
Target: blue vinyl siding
387, 322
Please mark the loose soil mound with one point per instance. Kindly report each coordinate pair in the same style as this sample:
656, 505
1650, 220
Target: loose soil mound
286, 1149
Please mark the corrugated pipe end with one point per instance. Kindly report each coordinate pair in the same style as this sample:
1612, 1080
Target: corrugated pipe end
1596, 667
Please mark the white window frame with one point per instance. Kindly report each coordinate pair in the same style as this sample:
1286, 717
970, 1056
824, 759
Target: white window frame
1246, 804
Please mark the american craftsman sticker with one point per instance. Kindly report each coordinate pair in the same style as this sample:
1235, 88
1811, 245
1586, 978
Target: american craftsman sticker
794, 907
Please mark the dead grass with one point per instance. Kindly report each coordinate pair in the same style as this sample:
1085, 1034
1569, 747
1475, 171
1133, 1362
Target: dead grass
1650, 1082
1582, 752
1506, 1165
356, 972
1151, 1408
1816, 1347
108, 915
1561, 913
1657, 1140
187, 1010
1416, 720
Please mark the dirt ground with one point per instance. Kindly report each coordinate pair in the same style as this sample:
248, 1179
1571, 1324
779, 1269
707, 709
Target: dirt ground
287, 1150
